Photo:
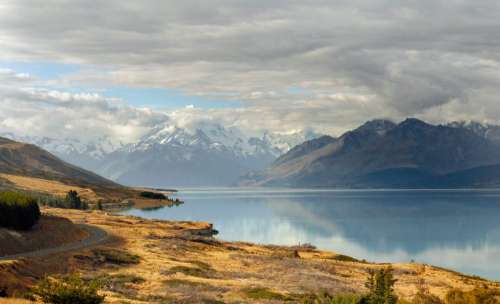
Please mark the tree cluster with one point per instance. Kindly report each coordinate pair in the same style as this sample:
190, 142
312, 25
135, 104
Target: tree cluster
18, 211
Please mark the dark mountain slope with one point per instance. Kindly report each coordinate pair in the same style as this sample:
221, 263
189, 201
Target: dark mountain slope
382, 154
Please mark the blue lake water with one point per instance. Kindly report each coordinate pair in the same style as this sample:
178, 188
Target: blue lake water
456, 229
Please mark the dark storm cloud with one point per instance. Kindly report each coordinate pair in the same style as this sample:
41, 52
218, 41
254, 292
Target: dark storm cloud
401, 58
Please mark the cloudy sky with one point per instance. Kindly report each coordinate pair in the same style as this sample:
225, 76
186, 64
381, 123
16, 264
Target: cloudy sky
119, 67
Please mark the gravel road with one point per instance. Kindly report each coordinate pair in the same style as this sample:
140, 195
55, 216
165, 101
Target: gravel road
96, 236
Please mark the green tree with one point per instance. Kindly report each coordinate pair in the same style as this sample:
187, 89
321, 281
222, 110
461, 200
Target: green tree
380, 284
73, 200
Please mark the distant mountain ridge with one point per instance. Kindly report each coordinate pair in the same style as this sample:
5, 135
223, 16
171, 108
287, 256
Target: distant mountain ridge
380, 153
206, 154
488, 131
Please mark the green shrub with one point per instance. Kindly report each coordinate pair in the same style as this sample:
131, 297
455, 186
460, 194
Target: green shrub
18, 211
325, 298
68, 290
153, 195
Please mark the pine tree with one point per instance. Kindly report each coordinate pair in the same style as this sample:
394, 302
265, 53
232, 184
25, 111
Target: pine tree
381, 287
73, 200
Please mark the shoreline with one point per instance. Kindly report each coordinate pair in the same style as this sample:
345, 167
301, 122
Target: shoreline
177, 256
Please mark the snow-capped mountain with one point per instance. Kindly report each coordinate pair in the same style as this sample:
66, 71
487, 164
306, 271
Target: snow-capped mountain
488, 131
204, 154
201, 154
87, 155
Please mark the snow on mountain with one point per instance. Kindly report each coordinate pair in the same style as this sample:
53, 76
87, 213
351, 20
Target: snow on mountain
87, 155
488, 131
97, 148
214, 136
204, 153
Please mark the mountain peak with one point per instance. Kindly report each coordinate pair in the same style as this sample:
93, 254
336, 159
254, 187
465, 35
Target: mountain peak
412, 154
414, 122
377, 125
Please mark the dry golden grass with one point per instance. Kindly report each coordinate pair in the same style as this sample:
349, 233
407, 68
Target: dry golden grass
52, 187
178, 262
14, 301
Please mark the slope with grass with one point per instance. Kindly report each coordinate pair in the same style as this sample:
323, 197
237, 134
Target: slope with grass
27, 167
28, 160
147, 261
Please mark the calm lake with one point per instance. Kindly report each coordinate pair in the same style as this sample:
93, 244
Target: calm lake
457, 229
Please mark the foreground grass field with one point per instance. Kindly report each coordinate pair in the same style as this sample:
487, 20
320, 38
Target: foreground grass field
179, 262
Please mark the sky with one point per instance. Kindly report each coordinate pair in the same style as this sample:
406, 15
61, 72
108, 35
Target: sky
118, 68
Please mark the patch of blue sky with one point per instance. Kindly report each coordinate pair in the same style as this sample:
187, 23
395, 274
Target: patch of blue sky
41, 70
139, 97
296, 90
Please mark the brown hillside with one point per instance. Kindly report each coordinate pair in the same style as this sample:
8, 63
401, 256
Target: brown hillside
28, 167
29, 160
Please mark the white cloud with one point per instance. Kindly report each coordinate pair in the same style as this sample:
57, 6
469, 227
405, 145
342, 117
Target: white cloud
52, 113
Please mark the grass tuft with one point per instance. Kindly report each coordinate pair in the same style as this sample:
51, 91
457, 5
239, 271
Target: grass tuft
116, 256
180, 282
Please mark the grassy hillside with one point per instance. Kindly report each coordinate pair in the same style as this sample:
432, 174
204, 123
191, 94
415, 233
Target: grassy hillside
29, 160
28, 167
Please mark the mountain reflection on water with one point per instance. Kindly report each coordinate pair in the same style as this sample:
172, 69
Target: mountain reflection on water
458, 229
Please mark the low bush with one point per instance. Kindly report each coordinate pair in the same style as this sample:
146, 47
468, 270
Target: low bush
179, 282
121, 283
71, 201
153, 195
68, 290
423, 296
115, 256
325, 298
345, 258
475, 296
18, 211
190, 271
120, 279
3, 292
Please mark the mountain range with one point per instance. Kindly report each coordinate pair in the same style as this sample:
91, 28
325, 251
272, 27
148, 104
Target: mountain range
383, 154
205, 154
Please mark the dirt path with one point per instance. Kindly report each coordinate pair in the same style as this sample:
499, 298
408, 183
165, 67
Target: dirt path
96, 236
